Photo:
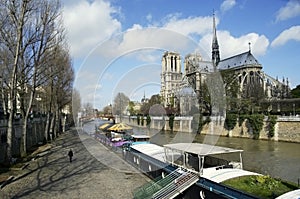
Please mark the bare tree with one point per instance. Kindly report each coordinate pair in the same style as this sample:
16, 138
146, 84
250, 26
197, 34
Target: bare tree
76, 104
30, 35
88, 109
120, 103
63, 87
14, 16
4, 79
42, 36
59, 88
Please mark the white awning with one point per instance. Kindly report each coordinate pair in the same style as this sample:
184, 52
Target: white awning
201, 149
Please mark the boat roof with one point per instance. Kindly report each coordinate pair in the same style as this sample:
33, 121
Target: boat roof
140, 136
201, 149
222, 175
289, 195
151, 150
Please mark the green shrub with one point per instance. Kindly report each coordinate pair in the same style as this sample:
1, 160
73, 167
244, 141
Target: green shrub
242, 118
272, 119
256, 121
142, 120
148, 120
261, 186
230, 121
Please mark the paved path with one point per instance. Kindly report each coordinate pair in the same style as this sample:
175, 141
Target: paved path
53, 176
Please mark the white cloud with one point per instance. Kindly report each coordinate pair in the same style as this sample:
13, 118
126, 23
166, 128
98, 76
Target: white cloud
190, 25
141, 39
88, 23
230, 46
290, 10
227, 5
149, 17
292, 33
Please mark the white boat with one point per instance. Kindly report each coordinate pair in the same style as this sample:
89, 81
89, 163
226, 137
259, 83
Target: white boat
211, 162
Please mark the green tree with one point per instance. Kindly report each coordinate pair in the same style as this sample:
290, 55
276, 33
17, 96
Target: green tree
131, 108
155, 99
296, 92
230, 121
148, 121
232, 90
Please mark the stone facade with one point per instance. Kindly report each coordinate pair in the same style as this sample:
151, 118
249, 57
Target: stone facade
246, 71
35, 135
171, 77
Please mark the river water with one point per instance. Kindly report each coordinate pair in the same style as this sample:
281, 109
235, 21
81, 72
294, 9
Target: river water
277, 159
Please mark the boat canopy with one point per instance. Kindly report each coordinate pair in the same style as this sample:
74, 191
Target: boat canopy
201, 149
105, 126
140, 136
196, 157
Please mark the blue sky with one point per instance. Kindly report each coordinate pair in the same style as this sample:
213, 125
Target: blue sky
116, 46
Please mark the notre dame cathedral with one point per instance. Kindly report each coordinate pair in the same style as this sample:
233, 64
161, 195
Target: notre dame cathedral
243, 70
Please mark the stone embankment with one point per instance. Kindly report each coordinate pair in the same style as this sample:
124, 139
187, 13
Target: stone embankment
287, 128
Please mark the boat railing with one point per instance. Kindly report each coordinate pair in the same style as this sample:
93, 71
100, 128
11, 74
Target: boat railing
180, 181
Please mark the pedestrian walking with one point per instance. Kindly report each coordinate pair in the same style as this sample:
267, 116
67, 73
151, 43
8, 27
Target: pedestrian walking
70, 154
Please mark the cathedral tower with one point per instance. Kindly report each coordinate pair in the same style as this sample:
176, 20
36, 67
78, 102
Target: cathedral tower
171, 77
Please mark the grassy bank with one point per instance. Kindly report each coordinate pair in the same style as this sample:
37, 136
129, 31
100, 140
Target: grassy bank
262, 186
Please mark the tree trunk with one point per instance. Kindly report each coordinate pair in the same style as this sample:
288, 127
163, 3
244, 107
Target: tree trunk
23, 147
52, 126
17, 55
57, 123
9, 138
3, 99
46, 136
23, 143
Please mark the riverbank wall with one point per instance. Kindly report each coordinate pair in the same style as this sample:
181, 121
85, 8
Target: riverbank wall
35, 135
287, 128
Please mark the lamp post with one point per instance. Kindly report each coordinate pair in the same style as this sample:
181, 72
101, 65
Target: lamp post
110, 109
120, 105
294, 112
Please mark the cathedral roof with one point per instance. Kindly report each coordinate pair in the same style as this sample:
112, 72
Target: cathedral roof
238, 61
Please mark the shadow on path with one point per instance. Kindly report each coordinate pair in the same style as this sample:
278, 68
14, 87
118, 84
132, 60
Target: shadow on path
53, 176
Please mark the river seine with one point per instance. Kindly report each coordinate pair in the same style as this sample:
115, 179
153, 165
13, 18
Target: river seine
277, 159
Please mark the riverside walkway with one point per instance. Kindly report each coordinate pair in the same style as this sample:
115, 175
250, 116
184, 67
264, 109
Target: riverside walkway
53, 176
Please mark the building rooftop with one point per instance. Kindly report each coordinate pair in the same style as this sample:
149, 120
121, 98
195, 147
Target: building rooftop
238, 61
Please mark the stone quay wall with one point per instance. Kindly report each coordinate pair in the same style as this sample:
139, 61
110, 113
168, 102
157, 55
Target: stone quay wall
35, 135
287, 128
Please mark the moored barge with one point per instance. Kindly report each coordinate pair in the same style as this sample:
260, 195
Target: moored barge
187, 170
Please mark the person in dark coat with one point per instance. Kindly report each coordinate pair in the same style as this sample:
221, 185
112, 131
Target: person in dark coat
70, 154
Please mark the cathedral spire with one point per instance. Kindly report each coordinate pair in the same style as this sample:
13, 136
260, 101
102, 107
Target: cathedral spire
215, 45
249, 46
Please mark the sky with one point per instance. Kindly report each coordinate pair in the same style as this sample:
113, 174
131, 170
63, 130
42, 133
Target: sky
117, 46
